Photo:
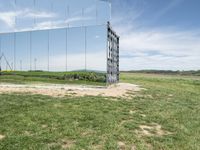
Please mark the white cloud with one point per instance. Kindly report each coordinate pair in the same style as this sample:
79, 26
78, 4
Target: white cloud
166, 42
159, 49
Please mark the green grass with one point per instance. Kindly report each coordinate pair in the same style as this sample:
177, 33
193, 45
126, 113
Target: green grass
42, 122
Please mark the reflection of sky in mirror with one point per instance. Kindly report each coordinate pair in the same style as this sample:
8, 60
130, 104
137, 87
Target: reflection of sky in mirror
40, 14
68, 49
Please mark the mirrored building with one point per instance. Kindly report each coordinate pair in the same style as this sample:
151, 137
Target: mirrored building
58, 35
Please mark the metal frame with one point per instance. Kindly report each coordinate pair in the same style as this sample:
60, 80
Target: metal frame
112, 56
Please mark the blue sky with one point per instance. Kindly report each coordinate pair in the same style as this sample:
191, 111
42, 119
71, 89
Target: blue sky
154, 34
158, 34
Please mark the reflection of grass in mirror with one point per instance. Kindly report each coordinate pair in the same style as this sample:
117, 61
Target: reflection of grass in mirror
79, 77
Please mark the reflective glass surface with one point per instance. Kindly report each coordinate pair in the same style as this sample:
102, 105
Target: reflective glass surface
63, 49
25, 15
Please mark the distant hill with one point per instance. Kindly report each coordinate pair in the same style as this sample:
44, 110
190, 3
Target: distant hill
169, 72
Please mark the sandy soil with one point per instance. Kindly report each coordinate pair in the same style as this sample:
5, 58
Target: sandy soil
57, 90
2, 137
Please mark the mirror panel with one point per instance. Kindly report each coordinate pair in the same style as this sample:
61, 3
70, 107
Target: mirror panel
76, 49
23, 51
57, 48
7, 50
40, 50
96, 48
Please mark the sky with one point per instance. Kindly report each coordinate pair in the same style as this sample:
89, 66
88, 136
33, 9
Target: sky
154, 34
158, 34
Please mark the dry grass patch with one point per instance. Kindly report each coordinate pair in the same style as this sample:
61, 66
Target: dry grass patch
88, 132
58, 105
28, 133
121, 145
133, 147
97, 147
132, 112
2, 137
67, 144
152, 130
44, 126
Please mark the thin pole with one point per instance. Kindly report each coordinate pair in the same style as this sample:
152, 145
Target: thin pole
14, 51
0, 53
34, 25
85, 52
35, 61
66, 48
48, 50
30, 51
15, 35
66, 17
20, 65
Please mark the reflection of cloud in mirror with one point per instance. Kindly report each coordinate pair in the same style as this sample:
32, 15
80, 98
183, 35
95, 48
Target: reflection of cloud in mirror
24, 16
8, 17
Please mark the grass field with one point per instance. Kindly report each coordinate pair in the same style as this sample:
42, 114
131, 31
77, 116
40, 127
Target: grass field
163, 116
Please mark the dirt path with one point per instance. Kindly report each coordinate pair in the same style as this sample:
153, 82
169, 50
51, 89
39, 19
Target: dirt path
57, 90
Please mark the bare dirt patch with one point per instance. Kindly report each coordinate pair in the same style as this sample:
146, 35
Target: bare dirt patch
44, 126
87, 132
133, 147
2, 137
121, 145
58, 105
131, 112
28, 133
67, 144
97, 147
152, 130
55, 90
